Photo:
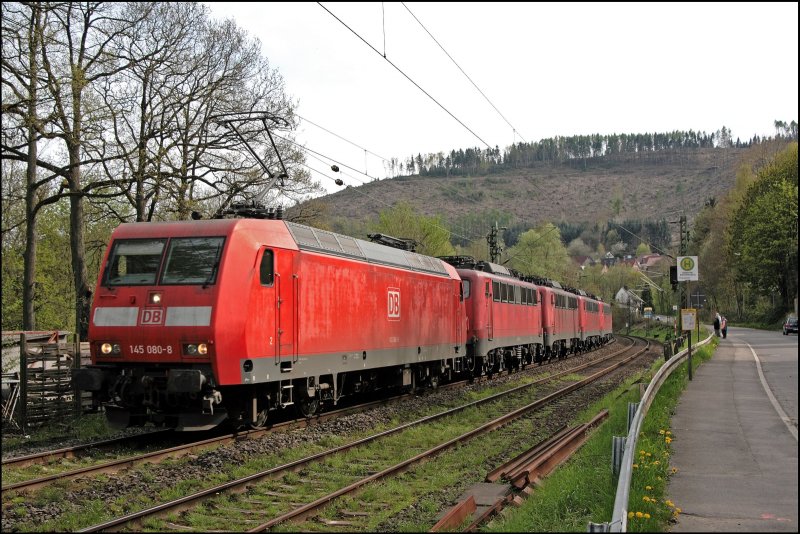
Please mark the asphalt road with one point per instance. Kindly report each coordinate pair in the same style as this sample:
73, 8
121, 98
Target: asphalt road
736, 438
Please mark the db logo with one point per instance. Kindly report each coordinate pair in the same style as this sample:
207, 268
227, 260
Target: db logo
152, 316
394, 304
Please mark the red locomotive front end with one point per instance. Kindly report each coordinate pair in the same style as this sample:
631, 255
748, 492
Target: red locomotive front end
152, 334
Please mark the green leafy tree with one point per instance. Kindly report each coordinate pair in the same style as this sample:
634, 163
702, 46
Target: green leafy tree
764, 227
430, 233
642, 249
541, 252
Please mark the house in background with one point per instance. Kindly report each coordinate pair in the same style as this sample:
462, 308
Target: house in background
649, 262
628, 299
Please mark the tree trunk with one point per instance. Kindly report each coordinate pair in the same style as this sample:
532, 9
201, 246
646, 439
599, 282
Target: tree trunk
83, 292
29, 257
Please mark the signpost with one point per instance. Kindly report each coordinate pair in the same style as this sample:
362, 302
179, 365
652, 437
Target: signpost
689, 319
687, 269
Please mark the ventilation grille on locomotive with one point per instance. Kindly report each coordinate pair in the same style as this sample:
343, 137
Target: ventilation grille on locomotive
316, 240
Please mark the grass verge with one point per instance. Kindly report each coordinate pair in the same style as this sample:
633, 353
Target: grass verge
583, 489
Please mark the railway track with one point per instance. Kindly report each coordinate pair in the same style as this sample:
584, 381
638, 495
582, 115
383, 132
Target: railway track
113, 466
274, 492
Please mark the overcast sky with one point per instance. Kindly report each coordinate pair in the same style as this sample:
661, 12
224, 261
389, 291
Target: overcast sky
550, 70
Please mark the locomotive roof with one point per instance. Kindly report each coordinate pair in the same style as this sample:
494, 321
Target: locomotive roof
317, 240
305, 238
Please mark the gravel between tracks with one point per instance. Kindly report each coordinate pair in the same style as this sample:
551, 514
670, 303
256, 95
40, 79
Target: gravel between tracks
201, 466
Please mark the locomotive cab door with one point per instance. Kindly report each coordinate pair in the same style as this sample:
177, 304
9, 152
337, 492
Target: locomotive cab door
287, 288
489, 309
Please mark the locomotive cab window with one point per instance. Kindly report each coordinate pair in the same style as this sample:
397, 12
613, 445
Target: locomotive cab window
192, 260
267, 268
464, 289
134, 262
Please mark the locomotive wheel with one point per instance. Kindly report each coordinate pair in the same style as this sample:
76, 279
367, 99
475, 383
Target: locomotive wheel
308, 406
434, 381
261, 420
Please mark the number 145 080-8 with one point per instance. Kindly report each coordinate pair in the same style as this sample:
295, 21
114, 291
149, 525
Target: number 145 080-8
150, 349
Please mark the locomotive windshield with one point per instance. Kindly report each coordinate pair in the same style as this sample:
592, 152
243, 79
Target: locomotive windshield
189, 260
192, 260
134, 262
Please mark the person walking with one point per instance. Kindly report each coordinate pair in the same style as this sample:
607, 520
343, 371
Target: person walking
723, 327
717, 323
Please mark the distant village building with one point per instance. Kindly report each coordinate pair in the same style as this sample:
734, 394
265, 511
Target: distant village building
627, 298
649, 261
584, 261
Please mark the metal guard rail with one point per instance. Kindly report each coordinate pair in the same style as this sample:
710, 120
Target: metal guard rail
619, 518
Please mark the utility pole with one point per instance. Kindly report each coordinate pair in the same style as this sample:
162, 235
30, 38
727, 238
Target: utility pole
494, 247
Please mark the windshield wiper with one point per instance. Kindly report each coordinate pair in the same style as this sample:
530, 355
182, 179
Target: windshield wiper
214, 268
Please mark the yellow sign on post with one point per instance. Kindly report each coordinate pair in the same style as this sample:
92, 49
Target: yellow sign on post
688, 318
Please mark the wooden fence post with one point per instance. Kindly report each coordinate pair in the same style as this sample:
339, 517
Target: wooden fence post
23, 383
76, 364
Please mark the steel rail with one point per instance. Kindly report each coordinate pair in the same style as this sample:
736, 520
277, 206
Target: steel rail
307, 509
69, 452
177, 451
114, 466
242, 484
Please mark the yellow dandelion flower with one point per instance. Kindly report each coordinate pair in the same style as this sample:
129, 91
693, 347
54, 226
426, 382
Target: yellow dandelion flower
656, 462
648, 488
678, 510
668, 432
674, 470
647, 516
635, 466
639, 514
658, 478
630, 515
641, 452
668, 440
648, 454
646, 498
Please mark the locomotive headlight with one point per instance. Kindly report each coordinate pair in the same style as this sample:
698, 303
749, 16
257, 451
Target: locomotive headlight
195, 349
155, 298
108, 348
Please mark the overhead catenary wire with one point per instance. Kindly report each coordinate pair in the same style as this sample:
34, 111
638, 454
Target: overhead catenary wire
407, 77
343, 139
641, 239
317, 155
451, 189
374, 199
516, 132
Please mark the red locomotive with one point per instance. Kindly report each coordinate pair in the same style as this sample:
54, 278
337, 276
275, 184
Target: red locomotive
197, 322
504, 316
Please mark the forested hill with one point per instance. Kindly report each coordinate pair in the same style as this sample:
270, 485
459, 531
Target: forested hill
642, 186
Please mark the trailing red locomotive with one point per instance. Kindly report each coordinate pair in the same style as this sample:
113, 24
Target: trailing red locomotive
198, 322
516, 320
